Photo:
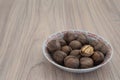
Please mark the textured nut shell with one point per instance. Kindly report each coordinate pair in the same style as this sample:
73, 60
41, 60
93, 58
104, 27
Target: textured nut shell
53, 45
104, 49
86, 62
66, 49
92, 41
70, 56
87, 50
75, 44
59, 56
69, 36
98, 57
99, 45
71, 62
82, 38
75, 52
62, 42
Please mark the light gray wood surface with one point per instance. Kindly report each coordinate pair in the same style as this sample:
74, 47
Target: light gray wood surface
25, 24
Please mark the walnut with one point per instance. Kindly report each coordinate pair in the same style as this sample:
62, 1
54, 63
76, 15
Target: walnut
75, 44
98, 57
71, 62
93, 42
53, 46
69, 36
66, 49
75, 53
59, 56
86, 62
62, 42
87, 50
82, 38
99, 45
104, 49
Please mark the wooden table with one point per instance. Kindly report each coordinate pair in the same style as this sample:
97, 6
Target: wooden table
25, 24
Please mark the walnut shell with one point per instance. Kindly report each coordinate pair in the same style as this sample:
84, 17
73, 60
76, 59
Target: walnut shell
104, 49
53, 46
86, 62
93, 42
75, 44
98, 57
82, 38
87, 50
69, 36
62, 42
59, 56
71, 62
75, 53
99, 45
66, 49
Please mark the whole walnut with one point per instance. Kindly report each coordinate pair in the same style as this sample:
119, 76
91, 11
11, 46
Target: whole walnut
99, 45
104, 49
59, 56
82, 38
66, 49
93, 42
75, 53
75, 44
86, 62
69, 36
71, 62
53, 46
62, 42
87, 50
98, 57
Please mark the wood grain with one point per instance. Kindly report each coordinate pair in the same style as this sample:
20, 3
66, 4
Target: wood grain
25, 24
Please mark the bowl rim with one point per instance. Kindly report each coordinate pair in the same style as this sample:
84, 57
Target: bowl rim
63, 67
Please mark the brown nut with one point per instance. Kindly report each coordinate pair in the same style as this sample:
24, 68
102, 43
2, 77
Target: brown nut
71, 62
93, 42
75, 53
99, 45
59, 56
104, 49
87, 50
53, 45
86, 62
98, 57
66, 49
82, 38
62, 42
69, 36
75, 44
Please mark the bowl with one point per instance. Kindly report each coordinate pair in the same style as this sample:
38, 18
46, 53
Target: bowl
92, 35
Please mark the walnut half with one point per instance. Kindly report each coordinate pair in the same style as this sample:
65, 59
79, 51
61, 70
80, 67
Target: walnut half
87, 50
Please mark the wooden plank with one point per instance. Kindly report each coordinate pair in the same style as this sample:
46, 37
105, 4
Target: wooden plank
25, 24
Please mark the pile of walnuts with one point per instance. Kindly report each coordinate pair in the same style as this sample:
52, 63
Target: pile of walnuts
77, 50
